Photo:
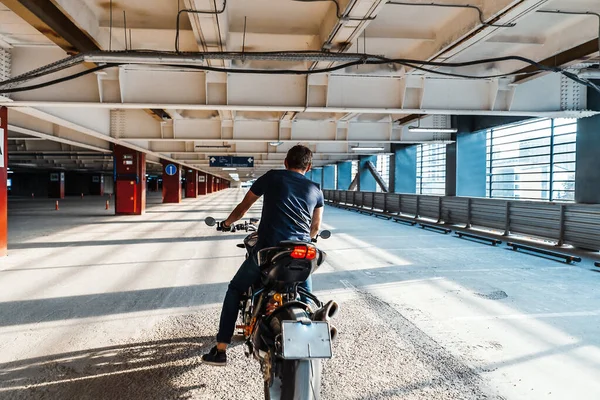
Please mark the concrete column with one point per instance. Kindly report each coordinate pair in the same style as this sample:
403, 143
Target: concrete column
587, 178
317, 176
471, 164
97, 185
329, 177
191, 183
201, 183
171, 182
451, 169
130, 184
3, 181
366, 180
405, 169
56, 185
344, 175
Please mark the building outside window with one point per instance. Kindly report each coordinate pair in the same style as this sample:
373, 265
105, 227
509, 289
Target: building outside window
533, 160
335, 175
383, 167
431, 169
354, 171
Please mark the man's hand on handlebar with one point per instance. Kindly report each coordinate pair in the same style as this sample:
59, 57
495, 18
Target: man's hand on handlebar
222, 226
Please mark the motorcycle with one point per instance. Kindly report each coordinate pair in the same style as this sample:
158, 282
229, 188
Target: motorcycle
289, 337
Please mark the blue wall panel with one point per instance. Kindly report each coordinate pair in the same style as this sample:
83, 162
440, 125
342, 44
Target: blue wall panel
367, 181
344, 175
405, 171
471, 164
329, 177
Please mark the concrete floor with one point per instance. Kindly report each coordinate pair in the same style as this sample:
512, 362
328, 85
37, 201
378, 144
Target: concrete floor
94, 306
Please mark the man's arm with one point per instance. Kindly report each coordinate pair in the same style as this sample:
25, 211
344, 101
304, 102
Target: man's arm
315, 225
242, 208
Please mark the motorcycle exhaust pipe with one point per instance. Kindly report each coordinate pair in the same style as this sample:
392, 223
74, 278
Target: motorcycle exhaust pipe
328, 311
334, 332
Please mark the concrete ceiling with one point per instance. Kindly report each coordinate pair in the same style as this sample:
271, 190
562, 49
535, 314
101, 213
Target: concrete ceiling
202, 113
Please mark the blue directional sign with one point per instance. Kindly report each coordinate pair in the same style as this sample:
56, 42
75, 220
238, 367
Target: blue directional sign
228, 161
171, 169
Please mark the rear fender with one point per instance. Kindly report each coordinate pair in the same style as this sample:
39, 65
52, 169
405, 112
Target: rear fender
294, 310
267, 330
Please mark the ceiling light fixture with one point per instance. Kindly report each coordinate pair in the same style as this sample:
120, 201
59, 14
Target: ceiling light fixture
368, 148
418, 129
275, 144
229, 169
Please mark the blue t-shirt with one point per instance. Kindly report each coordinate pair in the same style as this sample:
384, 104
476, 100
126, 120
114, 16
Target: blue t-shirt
289, 202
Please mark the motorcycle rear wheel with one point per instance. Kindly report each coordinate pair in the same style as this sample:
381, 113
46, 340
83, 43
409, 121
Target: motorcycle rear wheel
300, 380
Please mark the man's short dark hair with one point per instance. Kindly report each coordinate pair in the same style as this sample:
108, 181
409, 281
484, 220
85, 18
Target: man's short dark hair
299, 157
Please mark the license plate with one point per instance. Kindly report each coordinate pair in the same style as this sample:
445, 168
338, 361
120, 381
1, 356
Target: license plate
306, 340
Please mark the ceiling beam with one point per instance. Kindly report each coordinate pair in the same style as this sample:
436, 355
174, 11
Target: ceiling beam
53, 23
571, 56
321, 110
339, 34
45, 136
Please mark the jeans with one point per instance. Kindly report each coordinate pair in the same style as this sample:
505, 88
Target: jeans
247, 275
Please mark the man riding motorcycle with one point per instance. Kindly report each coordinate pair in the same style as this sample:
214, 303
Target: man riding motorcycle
292, 210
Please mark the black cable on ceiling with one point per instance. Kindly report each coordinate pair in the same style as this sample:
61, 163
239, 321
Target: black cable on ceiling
364, 59
59, 80
338, 11
219, 25
191, 11
597, 15
479, 11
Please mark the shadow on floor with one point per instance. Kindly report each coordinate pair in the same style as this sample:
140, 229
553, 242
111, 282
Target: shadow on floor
153, 221
101, 304
131, 263
130, 371
121, 242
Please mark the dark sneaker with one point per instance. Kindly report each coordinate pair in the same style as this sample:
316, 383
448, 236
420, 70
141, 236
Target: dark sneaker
215, 357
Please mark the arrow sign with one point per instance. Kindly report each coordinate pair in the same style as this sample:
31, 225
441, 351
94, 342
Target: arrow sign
227, 161
170, 169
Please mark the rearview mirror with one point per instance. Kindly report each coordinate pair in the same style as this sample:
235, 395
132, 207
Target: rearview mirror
210, 221
325, 234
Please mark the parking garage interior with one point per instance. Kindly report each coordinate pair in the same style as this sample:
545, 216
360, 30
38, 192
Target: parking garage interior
456, 145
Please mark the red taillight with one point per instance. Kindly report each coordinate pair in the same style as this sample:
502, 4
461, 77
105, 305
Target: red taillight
308, 252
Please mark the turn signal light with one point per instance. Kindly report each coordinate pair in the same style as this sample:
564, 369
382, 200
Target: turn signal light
307, 252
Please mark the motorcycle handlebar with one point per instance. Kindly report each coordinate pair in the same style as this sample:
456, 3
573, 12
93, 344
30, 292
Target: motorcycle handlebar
210, 221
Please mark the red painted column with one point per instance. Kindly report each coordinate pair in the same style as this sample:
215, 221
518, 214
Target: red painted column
171, 183
191, 183
201, 183
130, 184
209, 184
3, 181
216, 184
56, 185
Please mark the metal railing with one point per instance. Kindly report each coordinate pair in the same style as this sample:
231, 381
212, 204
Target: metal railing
564, 223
